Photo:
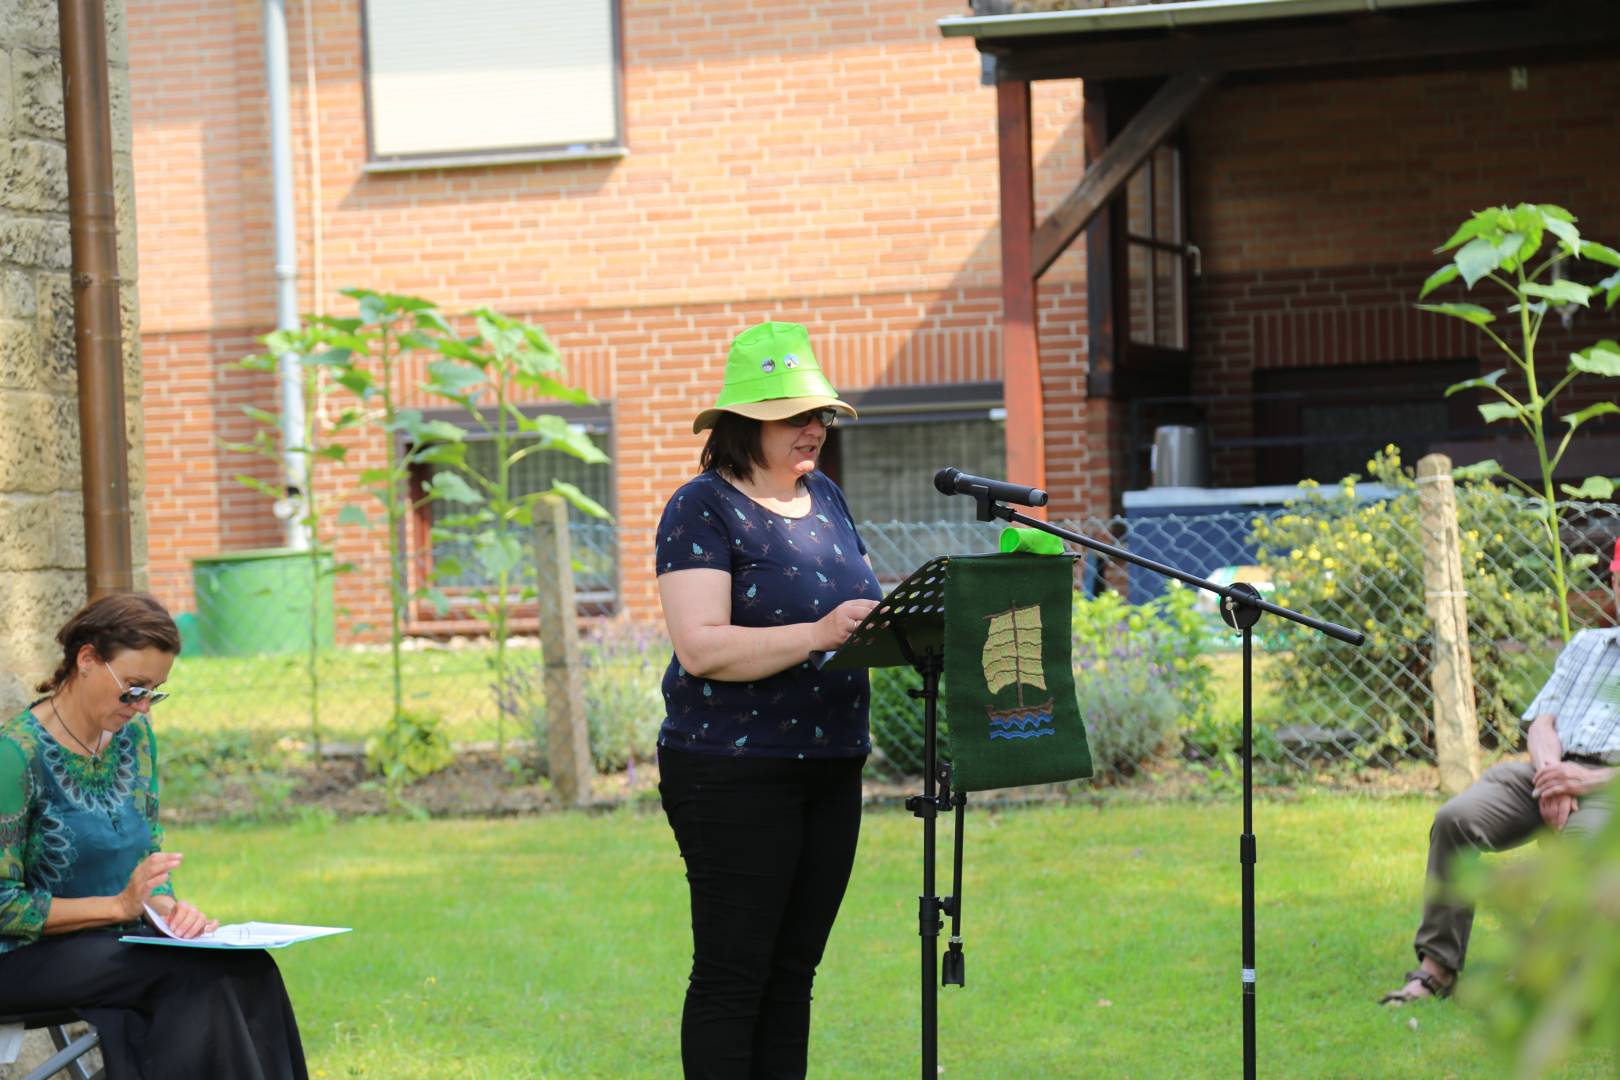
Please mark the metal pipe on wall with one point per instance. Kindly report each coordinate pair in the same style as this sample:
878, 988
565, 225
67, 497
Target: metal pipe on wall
98, 338
294, 463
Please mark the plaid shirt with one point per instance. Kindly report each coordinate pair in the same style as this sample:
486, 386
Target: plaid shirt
1584, 696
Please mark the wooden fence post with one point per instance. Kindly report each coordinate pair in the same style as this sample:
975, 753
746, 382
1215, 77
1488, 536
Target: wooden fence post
568, 748
1451, 671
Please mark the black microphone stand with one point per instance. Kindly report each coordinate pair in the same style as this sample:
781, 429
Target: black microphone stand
1241, 608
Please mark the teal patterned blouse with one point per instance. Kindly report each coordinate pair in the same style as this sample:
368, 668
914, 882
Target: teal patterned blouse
71, 826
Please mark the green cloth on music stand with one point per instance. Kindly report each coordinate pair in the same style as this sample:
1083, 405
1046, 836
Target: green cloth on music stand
1009, 684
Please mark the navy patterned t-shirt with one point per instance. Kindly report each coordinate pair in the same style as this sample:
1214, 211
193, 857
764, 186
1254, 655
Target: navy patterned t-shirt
783, 570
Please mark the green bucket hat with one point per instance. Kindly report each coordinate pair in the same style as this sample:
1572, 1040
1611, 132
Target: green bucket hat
771, 374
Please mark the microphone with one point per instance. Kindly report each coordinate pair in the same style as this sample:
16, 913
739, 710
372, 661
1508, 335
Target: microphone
952, 481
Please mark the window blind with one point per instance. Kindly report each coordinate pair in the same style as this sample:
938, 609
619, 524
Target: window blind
490, 76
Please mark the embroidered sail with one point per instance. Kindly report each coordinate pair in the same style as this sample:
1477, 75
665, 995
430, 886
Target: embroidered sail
1012, 657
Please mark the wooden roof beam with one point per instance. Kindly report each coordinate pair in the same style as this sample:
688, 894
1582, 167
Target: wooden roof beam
1150, 127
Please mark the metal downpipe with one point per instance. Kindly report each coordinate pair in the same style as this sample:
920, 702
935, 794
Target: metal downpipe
97, 333
294, 461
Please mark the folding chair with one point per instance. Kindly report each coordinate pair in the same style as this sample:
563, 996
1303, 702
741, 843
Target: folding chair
70, 1051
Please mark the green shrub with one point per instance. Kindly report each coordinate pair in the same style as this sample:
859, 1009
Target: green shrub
1139, 675
412, 746
624, 700
1553, 990
897, 723
1360, 563
623, 671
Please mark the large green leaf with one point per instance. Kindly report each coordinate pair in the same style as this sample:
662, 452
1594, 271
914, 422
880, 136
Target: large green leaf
1595, 489
499, 553
1443, 276
1482, 382
1479, 470
332, 452
1603, 253
440, 453
1569, 237
1602, 408
449, 485
263, 417
457, 349
429, 319
1600, 359
1476, 259
373, 308
353, 515
1466, 231
449, 376
1471, 313
339, 358
1554, 212
342, 324
1560, 292
1517, 247
259, 485
1611, 289
1493, 411
372, 476
579, 499
1530, 224
358, 382
551, 388
440, 602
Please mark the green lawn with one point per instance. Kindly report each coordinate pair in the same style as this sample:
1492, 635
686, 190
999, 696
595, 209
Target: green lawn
1101, 941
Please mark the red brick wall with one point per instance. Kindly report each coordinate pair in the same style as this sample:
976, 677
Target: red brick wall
1316, 208
834, 164
835, 167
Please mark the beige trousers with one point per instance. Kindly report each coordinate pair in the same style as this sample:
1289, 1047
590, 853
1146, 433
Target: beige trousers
1495, 814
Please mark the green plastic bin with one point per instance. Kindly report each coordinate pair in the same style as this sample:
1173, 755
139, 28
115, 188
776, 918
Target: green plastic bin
250, 603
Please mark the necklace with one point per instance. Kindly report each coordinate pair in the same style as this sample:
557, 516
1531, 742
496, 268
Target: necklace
75, 738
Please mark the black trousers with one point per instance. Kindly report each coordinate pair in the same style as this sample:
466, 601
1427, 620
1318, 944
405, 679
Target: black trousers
768, 845
163, 1013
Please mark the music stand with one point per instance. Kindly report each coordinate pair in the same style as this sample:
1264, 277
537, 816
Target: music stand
1241, 607
907, 628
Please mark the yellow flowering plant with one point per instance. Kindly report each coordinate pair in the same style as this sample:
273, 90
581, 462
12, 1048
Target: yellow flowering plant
1359, 562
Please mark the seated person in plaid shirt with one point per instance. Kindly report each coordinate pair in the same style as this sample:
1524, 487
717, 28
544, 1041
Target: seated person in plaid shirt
1574, 747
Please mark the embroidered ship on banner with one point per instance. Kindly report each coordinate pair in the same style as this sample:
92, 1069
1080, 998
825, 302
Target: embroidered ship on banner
1012, 657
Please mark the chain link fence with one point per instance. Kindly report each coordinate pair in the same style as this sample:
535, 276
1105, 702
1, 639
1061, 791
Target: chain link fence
1352, 556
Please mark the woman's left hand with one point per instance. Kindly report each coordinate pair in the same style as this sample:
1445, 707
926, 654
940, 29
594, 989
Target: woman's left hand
185, 921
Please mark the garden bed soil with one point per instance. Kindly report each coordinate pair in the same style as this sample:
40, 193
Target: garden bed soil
485, 784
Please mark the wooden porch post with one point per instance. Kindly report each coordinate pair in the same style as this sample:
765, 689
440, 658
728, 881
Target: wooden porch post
1106, 312
1020, 346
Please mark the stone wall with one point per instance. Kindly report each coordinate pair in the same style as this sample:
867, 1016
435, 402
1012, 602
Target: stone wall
41, 506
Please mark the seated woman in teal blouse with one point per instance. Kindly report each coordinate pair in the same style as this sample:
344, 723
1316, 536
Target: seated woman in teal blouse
81, 862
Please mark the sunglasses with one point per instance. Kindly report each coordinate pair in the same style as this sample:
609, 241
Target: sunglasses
134, 695
826, 417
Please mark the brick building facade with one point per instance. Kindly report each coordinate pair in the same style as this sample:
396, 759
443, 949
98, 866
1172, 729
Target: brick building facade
834, 164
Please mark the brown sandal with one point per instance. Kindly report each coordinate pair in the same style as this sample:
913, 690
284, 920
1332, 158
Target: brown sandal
1427, 980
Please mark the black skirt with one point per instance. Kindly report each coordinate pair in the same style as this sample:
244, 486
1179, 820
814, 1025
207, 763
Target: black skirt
162, 1012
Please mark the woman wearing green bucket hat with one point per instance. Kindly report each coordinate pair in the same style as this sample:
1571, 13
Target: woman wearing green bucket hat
760, 753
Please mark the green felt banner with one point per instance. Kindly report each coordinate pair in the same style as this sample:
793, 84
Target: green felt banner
1009, 686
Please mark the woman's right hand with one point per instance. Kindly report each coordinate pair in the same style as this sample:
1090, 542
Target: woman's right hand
834, 628
148, 874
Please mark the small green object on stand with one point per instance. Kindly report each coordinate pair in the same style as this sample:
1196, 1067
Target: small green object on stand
255, 602
1030, 541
